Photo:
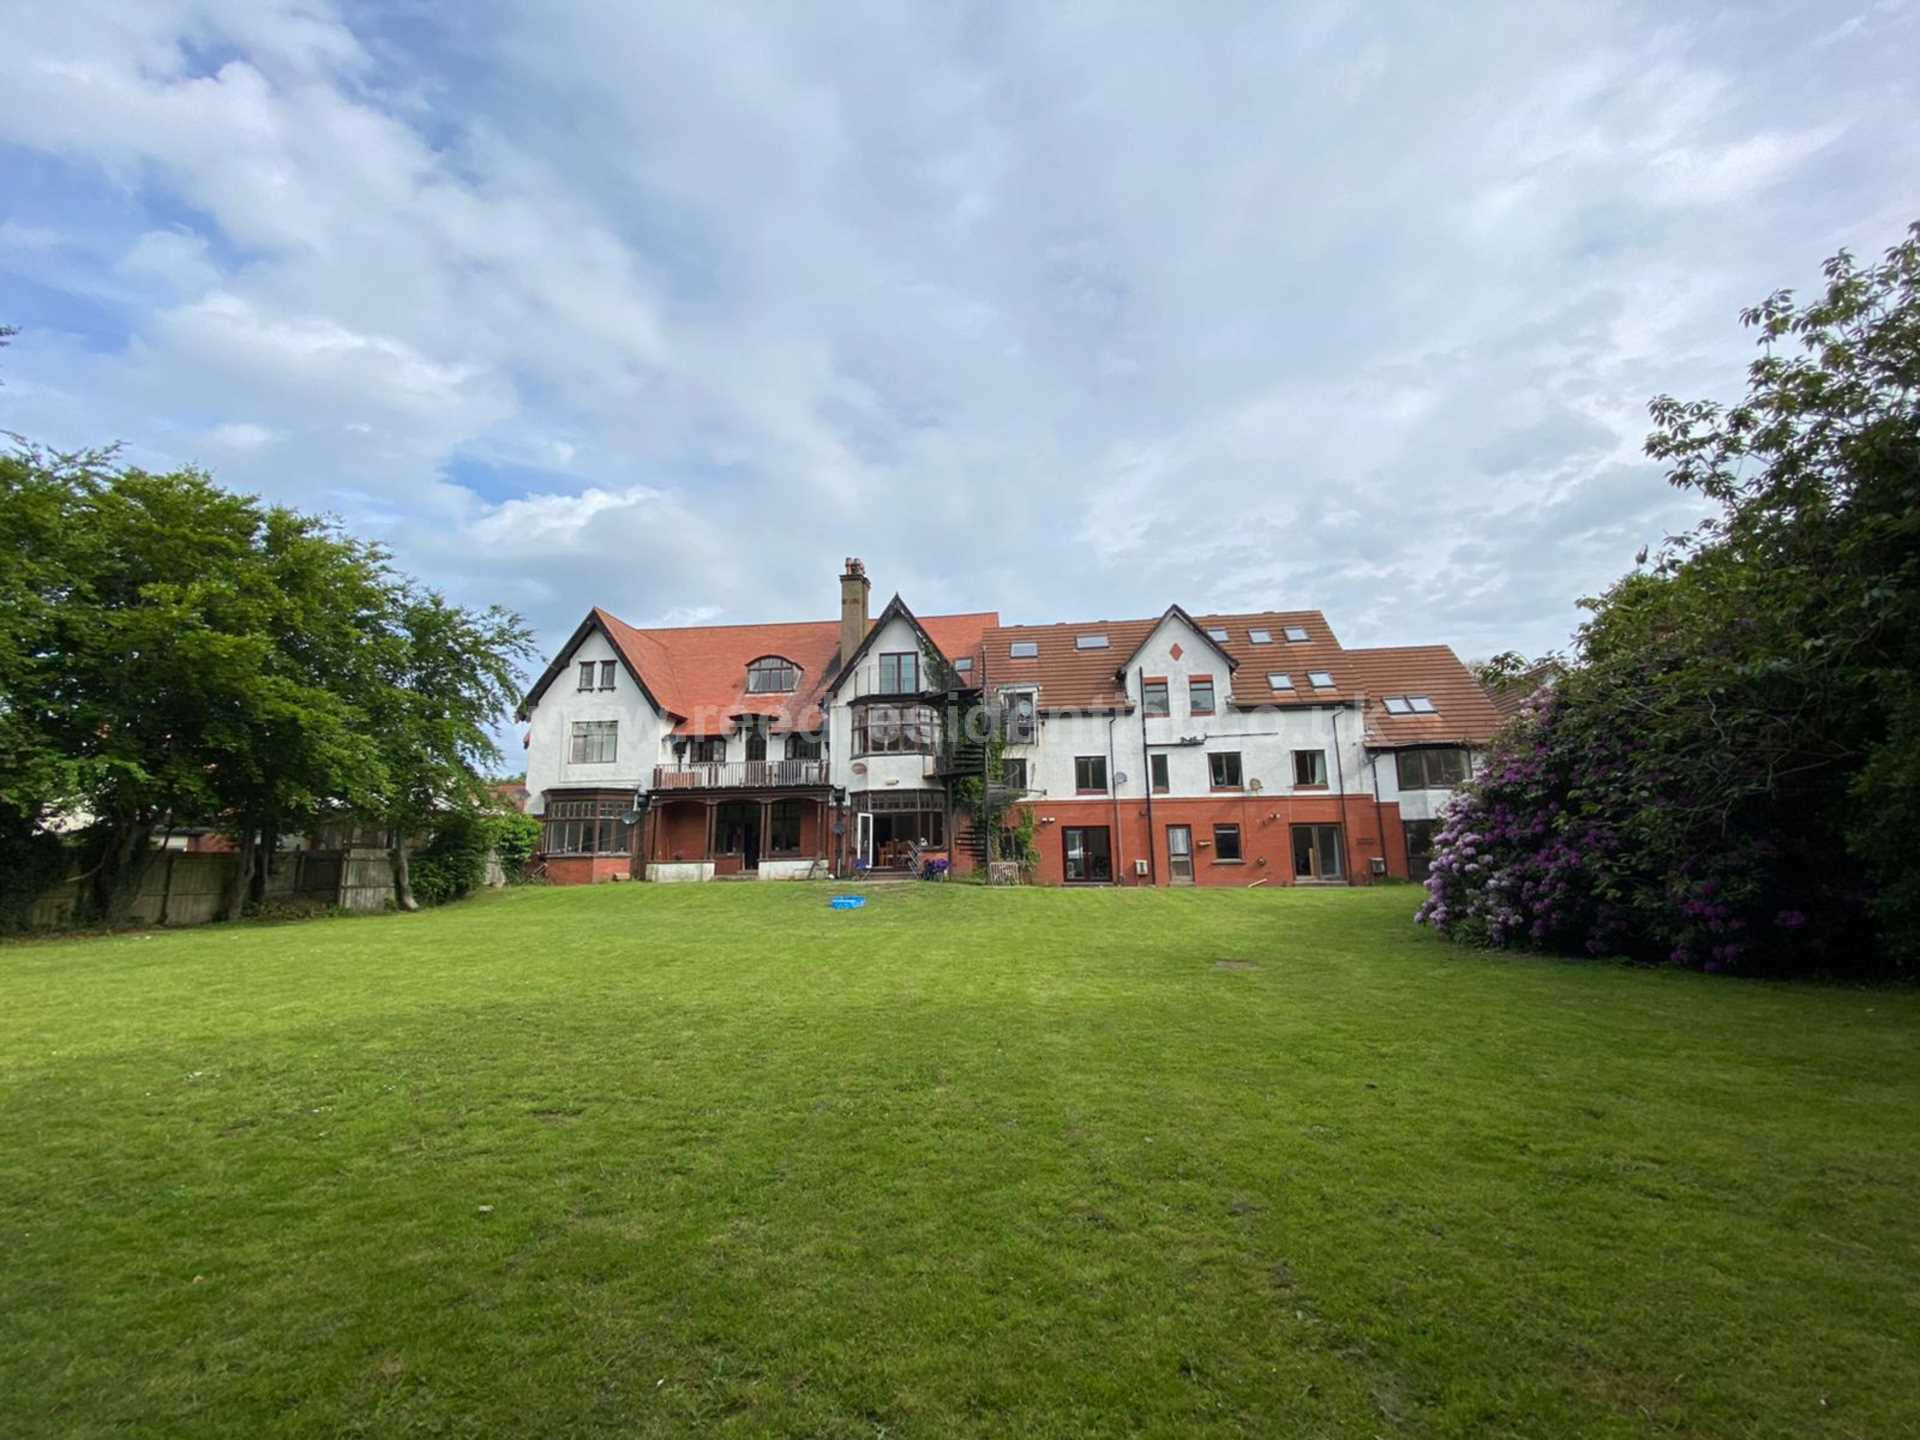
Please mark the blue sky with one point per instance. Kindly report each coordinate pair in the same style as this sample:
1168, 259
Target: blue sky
1070, 311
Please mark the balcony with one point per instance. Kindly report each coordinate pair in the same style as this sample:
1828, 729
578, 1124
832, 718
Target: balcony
741, 775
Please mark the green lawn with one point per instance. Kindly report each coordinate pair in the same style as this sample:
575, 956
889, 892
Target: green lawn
718, 1160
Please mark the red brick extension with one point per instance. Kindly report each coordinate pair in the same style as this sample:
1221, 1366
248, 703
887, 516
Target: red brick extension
587, 869
1266, 836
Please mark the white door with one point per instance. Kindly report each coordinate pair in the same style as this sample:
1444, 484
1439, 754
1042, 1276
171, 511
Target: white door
863, 838
1180, 854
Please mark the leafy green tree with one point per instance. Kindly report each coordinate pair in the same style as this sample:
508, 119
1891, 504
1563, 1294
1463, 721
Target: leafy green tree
42, 502
146, 678
295, 741
172, 654
1817, 545
442, 676
1728, 772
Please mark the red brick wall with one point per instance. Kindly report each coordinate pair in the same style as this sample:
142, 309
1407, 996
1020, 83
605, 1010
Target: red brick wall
682, 834
1266, 835
587, 869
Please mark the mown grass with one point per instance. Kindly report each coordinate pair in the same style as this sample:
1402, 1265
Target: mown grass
718, 1160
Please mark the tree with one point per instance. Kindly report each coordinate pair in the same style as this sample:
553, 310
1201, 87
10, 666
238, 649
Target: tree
295, 743
442, 675
1726, 773
172, 653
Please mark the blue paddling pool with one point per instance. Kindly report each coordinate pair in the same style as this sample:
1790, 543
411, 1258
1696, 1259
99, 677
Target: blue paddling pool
847, 902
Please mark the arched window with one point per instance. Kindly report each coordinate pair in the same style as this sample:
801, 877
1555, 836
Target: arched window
772, 675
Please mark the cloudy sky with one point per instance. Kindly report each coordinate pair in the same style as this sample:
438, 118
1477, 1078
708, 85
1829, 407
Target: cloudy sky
1065, 310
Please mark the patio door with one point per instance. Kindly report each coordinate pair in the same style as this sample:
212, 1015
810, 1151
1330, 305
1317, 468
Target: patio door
863, 839
1180, 854
1316, 853
1089, 858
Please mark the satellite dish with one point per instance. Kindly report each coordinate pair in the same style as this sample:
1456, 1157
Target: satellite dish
1255, 786
1119, 777
859, 767
632, 817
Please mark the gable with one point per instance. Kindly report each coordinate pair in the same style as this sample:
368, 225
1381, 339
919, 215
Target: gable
1199, 652
576, 649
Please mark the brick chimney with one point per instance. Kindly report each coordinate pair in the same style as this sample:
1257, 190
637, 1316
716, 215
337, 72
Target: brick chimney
854, 624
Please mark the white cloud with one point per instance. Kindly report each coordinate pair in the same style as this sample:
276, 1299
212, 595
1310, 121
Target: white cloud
669, 308
239, 435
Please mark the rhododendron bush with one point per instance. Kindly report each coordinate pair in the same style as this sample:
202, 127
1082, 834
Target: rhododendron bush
1556, 845
1727, 772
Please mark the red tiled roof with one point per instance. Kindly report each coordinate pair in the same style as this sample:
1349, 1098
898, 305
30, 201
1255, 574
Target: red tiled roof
698, 673
1461, 710
1069, 678
1508, 696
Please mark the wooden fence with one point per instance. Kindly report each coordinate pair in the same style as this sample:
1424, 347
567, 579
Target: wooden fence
180, 888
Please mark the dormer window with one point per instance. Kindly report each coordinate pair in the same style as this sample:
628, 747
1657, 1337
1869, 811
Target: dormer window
771, 675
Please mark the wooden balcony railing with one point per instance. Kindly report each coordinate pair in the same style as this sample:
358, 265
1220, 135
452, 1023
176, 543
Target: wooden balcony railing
740, 775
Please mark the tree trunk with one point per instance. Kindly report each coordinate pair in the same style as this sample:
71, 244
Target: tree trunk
265, 839
241, 885
402, 878
116, 880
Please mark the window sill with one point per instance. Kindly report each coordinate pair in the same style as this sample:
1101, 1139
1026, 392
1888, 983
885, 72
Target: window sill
1227, 789
1090, 792
1202, 714
1229, 862
1320, 785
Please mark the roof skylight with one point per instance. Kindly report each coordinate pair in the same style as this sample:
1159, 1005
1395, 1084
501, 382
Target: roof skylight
1420, 704
1260, 637
1218, 634
1024, 649
1320, 679
1296, 633
1089, 642
1279, 681
1397, 705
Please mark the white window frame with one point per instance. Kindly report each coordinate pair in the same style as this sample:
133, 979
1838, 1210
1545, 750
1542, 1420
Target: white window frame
584, 733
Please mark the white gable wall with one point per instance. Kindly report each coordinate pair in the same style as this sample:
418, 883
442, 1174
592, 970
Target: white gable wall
879, 772
1265, 738
551, 729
